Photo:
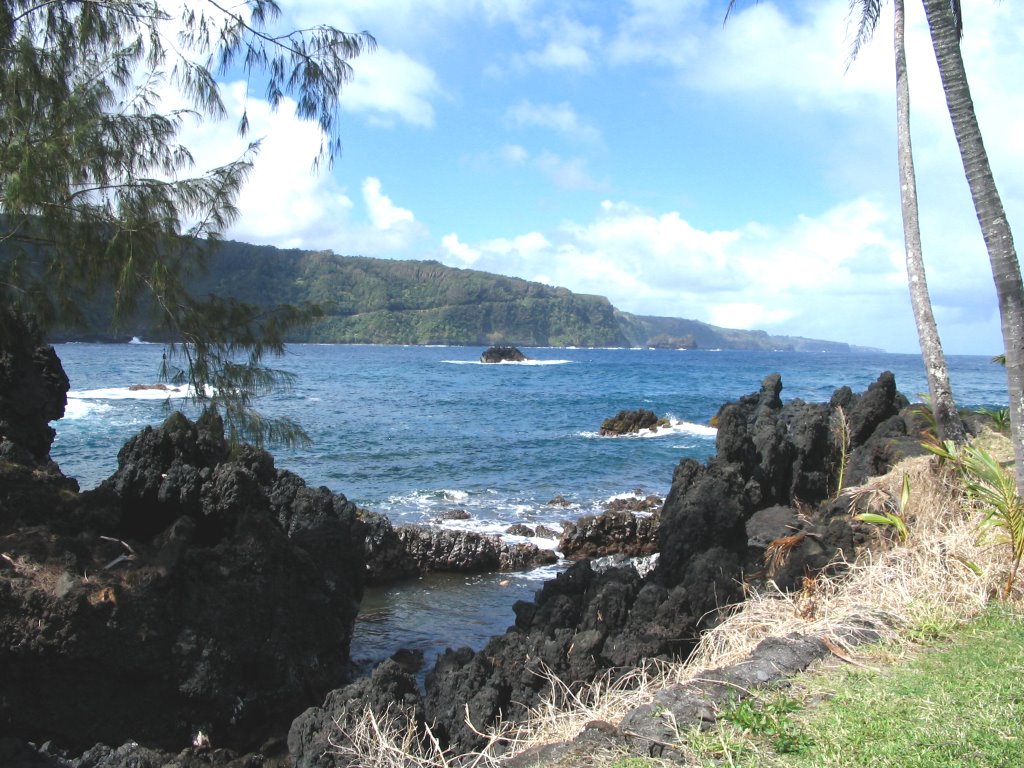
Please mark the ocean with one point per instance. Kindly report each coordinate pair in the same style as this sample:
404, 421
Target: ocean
415, 432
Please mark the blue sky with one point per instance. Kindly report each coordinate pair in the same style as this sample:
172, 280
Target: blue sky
738, 174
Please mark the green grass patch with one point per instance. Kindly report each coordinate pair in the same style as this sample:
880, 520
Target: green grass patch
959, 702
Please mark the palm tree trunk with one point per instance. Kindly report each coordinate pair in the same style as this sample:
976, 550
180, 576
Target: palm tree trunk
947, 420
989, 207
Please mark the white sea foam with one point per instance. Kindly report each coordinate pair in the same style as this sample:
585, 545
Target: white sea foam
147, 392
642, 565
81, 409
544, 573
489, 514
674, 429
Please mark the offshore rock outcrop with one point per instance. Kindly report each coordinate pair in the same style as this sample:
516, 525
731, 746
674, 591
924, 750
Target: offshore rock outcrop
501, 354
716, 524
633, 422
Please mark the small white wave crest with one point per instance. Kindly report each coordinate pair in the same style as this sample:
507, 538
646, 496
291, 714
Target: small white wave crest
135, 392
675, 428
81, 409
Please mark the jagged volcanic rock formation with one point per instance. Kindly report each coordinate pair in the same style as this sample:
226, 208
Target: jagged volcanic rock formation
632, 422
502, 355
409, 551
199, 588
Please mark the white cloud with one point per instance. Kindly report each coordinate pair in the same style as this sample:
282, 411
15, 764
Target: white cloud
389, 85
514, 154
526, 247
568, 173
559, 117
567, 44
284, 203
557, 55
564, 173
835, 275
459, 250
407, 21
395, 230
383, 213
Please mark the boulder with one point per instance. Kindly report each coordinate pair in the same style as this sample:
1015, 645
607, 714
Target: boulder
785, 545
33, 391
502, 354
580, 624
771, 454
638, 503
612, 532
440, 549
317, 738
519, 529
409, 551
633, 422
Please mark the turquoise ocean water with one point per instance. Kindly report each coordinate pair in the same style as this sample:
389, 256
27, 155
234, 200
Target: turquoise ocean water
413, 432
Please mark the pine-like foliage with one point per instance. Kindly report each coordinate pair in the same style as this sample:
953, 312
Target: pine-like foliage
98, 195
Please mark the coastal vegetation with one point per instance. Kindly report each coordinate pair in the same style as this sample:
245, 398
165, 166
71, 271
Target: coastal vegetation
99, 197
946, 25
367, 300
947, 419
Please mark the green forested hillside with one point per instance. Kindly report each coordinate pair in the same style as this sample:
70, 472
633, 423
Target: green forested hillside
385, 301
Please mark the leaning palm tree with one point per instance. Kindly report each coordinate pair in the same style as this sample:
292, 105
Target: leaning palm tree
945, 23
947, 419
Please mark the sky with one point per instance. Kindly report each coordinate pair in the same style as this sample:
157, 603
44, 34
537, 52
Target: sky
742, 174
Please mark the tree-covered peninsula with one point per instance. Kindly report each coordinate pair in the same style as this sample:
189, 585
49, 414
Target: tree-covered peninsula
365, 300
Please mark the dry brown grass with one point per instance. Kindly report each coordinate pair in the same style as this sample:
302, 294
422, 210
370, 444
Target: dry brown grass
941, 576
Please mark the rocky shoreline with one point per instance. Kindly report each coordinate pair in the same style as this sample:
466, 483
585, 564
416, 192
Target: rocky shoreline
197, 607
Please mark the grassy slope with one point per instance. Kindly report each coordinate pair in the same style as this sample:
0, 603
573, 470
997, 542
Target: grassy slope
956, 700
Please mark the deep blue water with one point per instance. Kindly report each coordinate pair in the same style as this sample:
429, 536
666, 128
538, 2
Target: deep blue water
414, 431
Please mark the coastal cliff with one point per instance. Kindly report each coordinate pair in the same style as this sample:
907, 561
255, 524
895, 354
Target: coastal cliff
385, 301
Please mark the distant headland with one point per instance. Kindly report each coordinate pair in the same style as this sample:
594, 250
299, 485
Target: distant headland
386, 301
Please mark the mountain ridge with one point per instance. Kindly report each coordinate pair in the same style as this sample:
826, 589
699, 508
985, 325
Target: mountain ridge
389, 301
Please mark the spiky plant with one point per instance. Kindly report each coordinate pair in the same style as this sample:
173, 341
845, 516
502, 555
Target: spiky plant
996, 491
882, 508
